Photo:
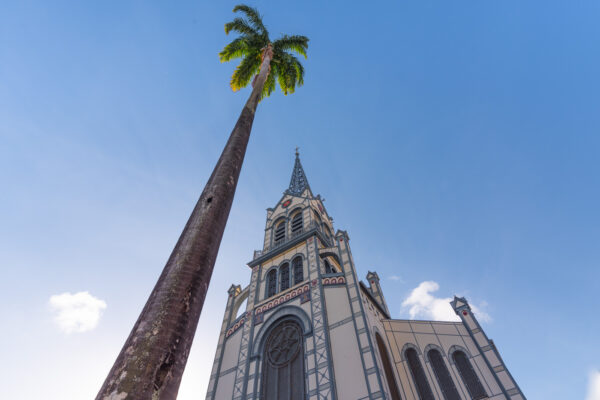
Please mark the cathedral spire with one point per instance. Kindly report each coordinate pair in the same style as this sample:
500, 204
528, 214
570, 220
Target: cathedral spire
298, 183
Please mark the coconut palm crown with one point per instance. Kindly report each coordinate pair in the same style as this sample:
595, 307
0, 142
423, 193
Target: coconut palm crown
254, 44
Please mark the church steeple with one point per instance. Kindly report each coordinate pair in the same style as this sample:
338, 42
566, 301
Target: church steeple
298, 183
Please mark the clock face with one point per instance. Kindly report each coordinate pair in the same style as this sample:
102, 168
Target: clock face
286, 203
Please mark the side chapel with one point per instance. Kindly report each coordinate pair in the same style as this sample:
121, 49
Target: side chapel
312, 330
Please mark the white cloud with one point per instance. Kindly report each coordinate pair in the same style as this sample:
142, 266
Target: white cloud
396, 278
593, 392
479, 313
422, 304
79, 312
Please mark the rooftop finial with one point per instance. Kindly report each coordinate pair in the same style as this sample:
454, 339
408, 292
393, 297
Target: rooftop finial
297, 153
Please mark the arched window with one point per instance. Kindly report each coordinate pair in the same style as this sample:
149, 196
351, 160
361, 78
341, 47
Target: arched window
387, 368
272, 283
469, 376
298, 270
279, 231
297, 223
284, 277
443, 375
283, 365
418, 375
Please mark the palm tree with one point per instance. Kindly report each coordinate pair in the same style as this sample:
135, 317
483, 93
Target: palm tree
265, 61
153, 358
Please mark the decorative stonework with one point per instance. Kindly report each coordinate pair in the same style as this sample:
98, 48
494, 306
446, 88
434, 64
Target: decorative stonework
237, 324
303, 291
321, 374
239, 385
336, 280
284, 344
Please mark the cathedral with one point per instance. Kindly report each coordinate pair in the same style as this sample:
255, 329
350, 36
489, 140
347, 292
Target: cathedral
312, 330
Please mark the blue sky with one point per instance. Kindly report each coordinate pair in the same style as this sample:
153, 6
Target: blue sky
456, 142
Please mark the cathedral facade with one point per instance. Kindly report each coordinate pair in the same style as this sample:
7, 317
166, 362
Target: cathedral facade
312, 330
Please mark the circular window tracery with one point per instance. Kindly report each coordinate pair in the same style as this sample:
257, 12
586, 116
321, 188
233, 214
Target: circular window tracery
284, 344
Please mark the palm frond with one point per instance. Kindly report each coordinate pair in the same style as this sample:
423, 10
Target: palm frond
254, 17
241, 26
296, 43
243, 74
295, 64
287, 76
290, 71
236, 49
299, 73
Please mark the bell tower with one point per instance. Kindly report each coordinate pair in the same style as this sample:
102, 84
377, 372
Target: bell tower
303, 295
312, 330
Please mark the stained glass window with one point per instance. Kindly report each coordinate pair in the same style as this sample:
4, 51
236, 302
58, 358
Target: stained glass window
298, 270
443, 375
418, 375
469, 376
272, 283
284, 276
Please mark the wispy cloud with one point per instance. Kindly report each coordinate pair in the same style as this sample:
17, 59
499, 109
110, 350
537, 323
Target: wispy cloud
593, 391
421, 303
396, 278
479, 313
75, 313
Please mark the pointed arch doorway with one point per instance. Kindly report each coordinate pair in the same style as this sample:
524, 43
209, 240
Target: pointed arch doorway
283, 363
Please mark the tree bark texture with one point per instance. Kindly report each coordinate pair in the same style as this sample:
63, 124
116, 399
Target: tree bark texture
152, 361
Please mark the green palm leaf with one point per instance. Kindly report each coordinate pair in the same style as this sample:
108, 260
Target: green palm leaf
254, 18
236, 49
241, 26
291, 72
244, 72
297, 43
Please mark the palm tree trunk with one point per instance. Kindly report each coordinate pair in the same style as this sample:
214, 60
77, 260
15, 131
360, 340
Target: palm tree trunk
153, 358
